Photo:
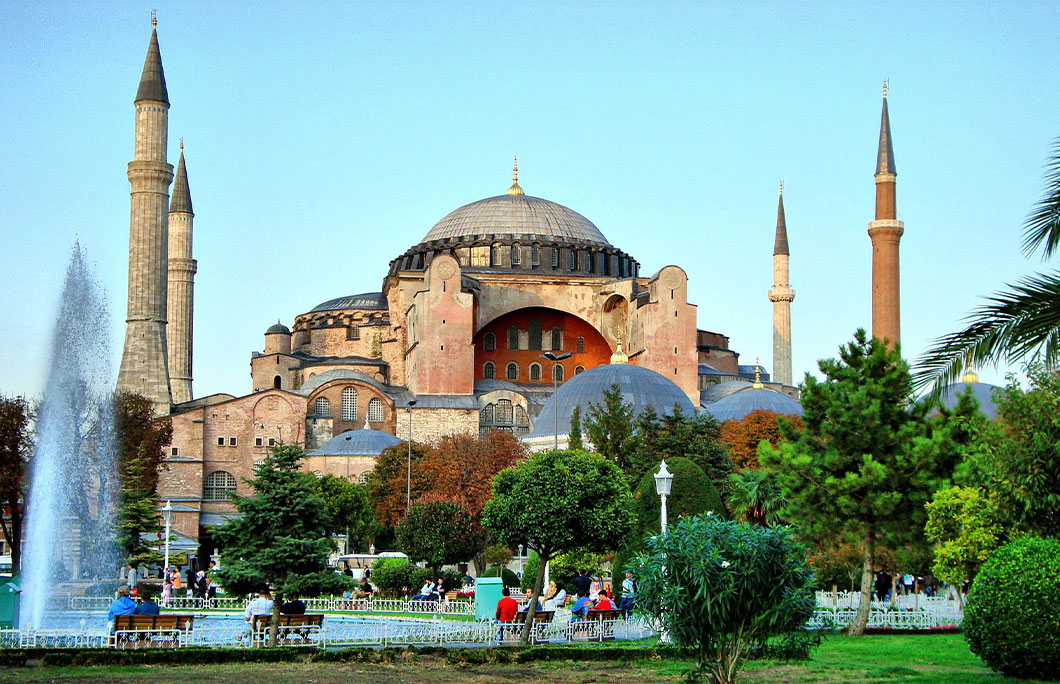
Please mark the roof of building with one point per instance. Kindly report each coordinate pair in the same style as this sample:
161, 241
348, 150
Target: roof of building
357, 443
181, 199
737, 405
640, 387
153, 79
721, 390
365, 300
344, 374
517, 215
983, 393
278, 329
707, 369
885, 154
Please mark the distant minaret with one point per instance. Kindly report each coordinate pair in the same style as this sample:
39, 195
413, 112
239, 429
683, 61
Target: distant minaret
182, 269
782, 296
143, 360
885, 233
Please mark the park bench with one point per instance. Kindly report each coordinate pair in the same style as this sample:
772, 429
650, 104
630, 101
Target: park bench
541, 619
290, 629
147, 631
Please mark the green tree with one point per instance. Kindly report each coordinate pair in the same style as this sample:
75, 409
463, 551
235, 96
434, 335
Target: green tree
610, 429
279, 543
137, 514
722, 588
864, 466
438, 532
574, 440
691, 493
15, 447
755, 497
497, 555
1020, 322
346, 504
556, 501
696, 437
963, 525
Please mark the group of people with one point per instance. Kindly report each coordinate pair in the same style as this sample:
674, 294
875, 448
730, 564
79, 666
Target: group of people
885, 585
123, 604
431, 591
263, 605
589, 597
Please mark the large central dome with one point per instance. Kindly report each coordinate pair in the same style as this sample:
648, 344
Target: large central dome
517, 215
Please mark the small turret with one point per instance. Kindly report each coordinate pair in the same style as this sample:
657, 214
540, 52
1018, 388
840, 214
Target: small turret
278, 339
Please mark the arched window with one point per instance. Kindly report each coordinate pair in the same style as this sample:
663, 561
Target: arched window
489, 371
534, 334
557, 339
485, 416
580, 345
375, 411
503, 416
535, 255
513, 337
522, 422
218, 486
557, 373
555, 257
322, 407
517, 255
489, 342
503, 413
578, 370
349, 405
511, 371
363, 477
495, 255
277, 381
572, 260
535, 371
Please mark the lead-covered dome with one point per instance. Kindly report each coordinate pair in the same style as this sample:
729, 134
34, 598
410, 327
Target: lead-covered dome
520, 215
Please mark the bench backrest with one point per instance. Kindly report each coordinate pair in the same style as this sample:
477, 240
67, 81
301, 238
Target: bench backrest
610, 614
263, 621
539, 616
124, 623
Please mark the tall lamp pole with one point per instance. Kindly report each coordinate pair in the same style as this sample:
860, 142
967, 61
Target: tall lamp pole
348, 438
167, 515
663, 480
408, 477
555, 359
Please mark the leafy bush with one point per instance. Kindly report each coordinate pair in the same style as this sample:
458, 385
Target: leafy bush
509, 578
530, 570
691, 494
723, 588
1011, 621
392, 576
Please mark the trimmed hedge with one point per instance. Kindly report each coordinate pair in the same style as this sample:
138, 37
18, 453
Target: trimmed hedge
509, 578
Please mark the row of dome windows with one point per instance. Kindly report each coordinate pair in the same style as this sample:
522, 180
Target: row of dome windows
511, 371
534, 339
498, 255
348, 409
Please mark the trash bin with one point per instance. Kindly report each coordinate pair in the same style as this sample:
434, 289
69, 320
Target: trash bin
487, 593
10, 589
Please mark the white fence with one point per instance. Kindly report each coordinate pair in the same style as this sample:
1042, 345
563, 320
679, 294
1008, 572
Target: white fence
315, 605
915, 611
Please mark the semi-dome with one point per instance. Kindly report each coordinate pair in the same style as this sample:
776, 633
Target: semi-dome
983, 393
357, 443
640, 387
517, 215
738, 405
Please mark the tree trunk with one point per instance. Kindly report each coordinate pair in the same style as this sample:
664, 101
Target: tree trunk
274, 624
531, 607
857, 628
480, 565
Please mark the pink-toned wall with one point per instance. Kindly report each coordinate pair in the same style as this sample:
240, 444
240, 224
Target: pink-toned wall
441, 358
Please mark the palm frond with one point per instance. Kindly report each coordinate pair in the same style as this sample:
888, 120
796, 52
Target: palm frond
1023, 322
1042, 228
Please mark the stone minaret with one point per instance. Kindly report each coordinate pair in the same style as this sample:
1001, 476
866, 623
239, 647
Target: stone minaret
143, 360
181, 285
782, 296
885, 233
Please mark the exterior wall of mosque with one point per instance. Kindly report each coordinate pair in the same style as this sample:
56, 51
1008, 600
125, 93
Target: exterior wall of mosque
353, 415
430, 424
440, 356
666, 330
264, 370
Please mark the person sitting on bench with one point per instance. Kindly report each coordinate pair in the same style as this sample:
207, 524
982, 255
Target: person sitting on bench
581, 607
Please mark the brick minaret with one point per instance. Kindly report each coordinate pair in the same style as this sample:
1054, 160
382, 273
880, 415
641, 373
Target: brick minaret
782, 296
143, 360
181, 298
885, 233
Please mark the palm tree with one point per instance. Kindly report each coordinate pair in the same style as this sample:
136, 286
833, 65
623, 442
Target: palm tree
1022, 321
754, 497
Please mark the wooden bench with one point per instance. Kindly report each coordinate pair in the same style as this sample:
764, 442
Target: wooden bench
147, 631
541, 618
289, 628
607, 631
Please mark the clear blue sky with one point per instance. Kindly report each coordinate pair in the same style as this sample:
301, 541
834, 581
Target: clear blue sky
324, 139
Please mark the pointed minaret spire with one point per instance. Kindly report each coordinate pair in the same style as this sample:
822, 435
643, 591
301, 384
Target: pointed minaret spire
181, 285
782, 296
181, 201
515, 189
153, 78
885, 232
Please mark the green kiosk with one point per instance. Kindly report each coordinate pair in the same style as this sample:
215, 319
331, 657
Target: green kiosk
10, 589
487, 593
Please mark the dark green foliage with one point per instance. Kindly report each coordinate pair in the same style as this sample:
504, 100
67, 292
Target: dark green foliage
15, 447
439, 533
346, 504
1010, 620
696, 437
137, 515
691, 493
509, 578
723, 588
574, 439
394, 576
610, 429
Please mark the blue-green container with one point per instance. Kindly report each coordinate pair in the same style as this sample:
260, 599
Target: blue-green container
10, 590
487, 594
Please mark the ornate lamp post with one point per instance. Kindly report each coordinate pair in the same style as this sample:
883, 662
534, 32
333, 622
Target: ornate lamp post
555, 359
408, 477
663, 480
167, 515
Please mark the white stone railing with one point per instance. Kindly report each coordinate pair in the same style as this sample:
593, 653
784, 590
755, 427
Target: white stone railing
324, 604
903, 612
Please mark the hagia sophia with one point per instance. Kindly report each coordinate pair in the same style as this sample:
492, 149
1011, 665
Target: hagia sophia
473, 326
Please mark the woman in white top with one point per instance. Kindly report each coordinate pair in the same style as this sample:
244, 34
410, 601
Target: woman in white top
556, 597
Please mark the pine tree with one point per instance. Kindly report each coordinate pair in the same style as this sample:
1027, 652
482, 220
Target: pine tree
280, 542
610, 430
137, 514
574, 440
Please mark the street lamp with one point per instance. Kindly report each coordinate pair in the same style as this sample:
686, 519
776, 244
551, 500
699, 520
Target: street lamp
408, 477
663, 479
348, 437
555, 359
167, 515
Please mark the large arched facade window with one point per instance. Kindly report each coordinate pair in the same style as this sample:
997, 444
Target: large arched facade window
535, 371
489, 371
511, 371
219, 485
503, 416
322, 407
375, 411
349, 405
489, 342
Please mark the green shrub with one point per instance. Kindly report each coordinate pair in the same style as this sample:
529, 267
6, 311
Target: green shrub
509, 578
692, 493
394, 575
1011, 621
452, 580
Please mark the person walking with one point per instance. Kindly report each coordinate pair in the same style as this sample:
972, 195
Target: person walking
628, 595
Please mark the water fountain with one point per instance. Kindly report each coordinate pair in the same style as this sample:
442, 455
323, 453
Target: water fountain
71, 505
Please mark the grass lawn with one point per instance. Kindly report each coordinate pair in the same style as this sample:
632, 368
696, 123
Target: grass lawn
901, 659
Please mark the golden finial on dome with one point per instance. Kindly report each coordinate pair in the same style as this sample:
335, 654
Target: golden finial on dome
758, 376
619, 356
154, 19
515, 189
969, 376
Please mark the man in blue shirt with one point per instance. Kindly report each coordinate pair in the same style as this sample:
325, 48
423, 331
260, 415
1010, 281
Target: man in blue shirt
147, 606
581, 606
123, 605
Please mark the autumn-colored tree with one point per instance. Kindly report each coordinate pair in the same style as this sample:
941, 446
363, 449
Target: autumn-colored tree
142, 439
742, 437
14, 450
386, 485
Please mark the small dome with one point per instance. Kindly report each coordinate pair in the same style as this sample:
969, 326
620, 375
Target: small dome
737, 405
517, 214
365, 300
278, 329
357, 443
983, 393
641, 387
